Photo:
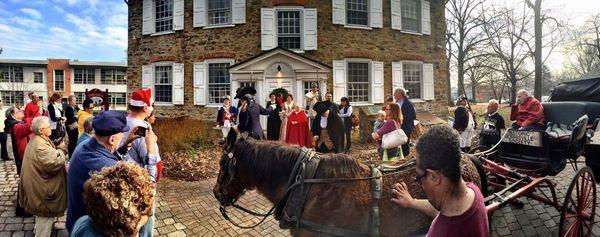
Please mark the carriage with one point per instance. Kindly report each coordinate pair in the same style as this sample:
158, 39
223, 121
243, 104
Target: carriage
523, 160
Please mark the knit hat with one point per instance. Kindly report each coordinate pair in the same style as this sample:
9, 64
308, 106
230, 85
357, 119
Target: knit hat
140, 98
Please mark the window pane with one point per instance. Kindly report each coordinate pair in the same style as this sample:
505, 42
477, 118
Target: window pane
288, 30
219, 84
38, 77
11, 73
12, 97
80, 97
412, 73
164, 15
358, 82
163, 83
411, 15
117, 99
59, 80
219, 12
357, 12
84, 75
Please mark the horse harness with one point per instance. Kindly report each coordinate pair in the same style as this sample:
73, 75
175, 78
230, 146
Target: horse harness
288, 210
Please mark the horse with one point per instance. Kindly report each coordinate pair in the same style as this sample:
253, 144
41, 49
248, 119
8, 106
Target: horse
267, 166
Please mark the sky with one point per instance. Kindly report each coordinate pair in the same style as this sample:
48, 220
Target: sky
91, 30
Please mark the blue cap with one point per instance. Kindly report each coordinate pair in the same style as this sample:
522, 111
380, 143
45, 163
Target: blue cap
110, 123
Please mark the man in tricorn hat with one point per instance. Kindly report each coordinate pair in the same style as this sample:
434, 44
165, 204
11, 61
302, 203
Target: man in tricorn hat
327, 128
249, 113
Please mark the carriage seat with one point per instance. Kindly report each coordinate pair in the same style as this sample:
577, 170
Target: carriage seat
561, 118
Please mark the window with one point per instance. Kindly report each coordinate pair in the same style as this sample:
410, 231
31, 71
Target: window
117, 99
59, 80
306, 86
12, 97
358, 81
413, 74
219, 84
10, 73
112, 76
248, 83
289, 32
163, 83
357, 12
38, 77
84, 76
164, 15
80, 96
219, 12
411, 15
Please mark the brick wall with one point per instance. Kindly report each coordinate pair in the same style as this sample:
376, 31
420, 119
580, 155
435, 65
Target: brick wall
58, 64
241, 42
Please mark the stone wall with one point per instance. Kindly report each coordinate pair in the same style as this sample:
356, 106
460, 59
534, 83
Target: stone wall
241, 42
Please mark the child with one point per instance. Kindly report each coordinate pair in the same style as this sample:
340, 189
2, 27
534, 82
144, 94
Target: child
380, 120
226, 116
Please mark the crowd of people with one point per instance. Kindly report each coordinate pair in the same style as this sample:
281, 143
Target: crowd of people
101, 169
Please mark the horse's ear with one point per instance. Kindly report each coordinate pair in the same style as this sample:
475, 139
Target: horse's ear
231, 137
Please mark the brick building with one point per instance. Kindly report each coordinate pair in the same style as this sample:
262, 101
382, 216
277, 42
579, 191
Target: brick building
194, 52
69, 77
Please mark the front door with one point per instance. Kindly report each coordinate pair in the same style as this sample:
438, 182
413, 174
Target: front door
272, 84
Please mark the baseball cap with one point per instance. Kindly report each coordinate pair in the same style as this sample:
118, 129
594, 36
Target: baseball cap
110, 123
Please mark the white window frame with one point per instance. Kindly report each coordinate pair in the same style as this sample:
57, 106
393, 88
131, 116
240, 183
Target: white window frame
41, 73
301, 18
113, 75
420, 63
84, 75
112, 99
420, 20
161, 64
370, 70
82, 93
368, 26
231, 61
54, 80
11, 73
230, 24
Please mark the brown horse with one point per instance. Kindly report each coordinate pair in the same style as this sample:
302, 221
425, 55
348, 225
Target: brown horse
267, 166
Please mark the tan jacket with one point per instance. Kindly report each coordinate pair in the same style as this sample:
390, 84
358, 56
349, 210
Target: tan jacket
43, 184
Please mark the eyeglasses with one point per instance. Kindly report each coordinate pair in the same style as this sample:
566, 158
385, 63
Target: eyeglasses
419, 178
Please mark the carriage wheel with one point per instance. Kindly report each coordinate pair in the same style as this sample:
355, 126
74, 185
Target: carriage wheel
579, 207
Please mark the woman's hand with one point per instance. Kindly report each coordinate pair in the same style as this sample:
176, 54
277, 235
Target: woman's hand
375, 136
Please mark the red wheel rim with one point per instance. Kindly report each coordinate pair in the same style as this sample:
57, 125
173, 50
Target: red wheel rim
580, 205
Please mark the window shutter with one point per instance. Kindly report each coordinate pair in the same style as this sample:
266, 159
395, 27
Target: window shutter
199, 13
178, 78
425, 18
377, 82
397, 76
376, 14
148, 17
238, 11
178, 14
267, 28
396, 8
339, 79
339, 12
428, 87
310, 29
199, 84
148, 77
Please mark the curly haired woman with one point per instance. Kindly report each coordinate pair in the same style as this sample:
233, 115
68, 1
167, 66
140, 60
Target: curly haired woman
119, 200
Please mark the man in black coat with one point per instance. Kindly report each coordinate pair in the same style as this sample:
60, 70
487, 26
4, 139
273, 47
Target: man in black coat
71, 110
249, 113
409, 115
327, 128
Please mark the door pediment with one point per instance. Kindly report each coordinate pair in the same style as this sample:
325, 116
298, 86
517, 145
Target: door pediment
267, 63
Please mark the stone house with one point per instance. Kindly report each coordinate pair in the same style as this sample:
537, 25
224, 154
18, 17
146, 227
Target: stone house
192, 53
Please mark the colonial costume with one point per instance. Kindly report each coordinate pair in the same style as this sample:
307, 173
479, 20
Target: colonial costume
249, 113
310, 99
286, 110
328, 130
226, 117
297, 129
273, 121
464, 123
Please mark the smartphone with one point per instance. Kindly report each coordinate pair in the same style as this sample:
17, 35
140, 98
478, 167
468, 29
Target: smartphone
141, 131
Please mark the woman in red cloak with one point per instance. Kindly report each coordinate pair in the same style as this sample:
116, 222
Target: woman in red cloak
297, 128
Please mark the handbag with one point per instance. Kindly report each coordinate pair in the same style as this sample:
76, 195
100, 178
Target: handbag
393, 139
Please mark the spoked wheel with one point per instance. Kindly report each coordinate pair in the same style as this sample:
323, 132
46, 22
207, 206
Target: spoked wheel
579, 207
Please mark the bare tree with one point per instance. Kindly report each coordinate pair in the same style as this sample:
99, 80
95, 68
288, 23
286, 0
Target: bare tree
509, 42
584, 48
465, 34
476, 75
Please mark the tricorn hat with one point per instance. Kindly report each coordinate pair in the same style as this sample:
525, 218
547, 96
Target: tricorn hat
322, 106
241, 92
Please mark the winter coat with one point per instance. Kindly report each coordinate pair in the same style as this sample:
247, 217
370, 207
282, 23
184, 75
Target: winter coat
249, 120
531, 111
82, 115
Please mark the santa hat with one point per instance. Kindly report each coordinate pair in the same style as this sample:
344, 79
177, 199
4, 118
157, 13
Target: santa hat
140, 98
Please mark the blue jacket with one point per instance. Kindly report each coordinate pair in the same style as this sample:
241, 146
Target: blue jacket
409, 115
88, 156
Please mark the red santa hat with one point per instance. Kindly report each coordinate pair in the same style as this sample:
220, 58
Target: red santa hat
140, 98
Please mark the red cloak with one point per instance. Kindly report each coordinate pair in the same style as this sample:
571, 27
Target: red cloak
297, 130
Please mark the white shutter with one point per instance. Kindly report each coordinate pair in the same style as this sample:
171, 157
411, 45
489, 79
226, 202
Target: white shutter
199, 13
377, 82
396, 14
238, 11
267, 28
178, 6
148, 17
178, 79
397, 76
199, 83
339, 12
310, 29
376, 14
425, 18
339, 79
148, 77
428, 89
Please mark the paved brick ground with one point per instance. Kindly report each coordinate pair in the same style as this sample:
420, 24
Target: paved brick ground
189, 209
